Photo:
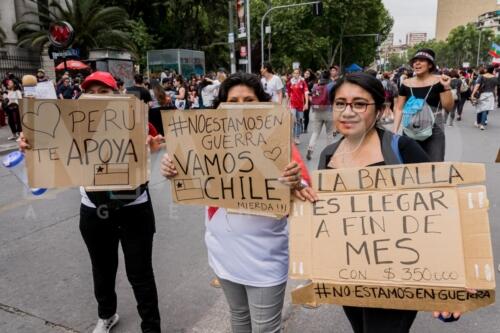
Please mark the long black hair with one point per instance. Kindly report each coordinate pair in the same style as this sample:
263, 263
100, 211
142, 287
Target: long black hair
365, 81
250, 80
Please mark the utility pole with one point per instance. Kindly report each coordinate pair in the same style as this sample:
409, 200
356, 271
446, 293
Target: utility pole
249, 43
479, 47
230, 37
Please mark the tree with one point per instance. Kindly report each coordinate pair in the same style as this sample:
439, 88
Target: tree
314, 41
143, 41
396, 61
2, 37
461, 46
95, 26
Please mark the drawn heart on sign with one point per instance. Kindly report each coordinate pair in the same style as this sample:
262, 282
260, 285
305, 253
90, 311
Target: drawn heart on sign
44, 120
273, 154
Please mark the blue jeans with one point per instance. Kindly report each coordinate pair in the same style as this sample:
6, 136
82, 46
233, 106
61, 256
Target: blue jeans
482, 118
298, 120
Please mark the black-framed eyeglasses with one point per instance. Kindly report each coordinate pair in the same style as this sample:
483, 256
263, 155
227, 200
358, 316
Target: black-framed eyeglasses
358, 107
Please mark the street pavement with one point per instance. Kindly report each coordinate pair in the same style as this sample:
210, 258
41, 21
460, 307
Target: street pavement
45, 272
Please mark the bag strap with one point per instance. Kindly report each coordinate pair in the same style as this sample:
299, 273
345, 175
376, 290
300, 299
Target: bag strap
390, 148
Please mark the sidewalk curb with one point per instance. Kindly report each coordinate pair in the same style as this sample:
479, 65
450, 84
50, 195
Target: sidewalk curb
8, 148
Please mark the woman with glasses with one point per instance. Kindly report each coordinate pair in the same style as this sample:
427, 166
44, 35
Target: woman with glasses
358, 103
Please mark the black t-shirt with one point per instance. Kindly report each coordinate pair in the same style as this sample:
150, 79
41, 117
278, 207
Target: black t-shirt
434, 96
141, 93
66, 91
409, 149
487, 84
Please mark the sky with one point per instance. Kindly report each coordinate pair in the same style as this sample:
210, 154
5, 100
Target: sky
412, 16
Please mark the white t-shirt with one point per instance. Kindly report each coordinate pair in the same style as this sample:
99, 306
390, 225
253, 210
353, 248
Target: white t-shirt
87, 202
272, 87
209, 93
247, 249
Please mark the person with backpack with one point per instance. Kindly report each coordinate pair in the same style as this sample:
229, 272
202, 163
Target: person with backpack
465, 94
321, 111
390, 94
358, 102
311, 80
456, 85
297, 89
421, 101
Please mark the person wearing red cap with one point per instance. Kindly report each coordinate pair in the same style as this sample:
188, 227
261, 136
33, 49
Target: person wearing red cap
108, 218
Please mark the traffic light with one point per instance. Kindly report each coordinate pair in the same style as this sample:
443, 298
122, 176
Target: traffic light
318, 9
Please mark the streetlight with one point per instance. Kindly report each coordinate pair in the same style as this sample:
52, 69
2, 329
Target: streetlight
262, 36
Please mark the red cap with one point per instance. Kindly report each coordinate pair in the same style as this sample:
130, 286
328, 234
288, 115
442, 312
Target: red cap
100, 77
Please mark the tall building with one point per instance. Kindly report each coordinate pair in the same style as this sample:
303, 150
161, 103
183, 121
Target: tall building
490, 21
454, 13
414, 38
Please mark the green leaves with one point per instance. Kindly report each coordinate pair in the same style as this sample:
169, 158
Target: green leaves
462, 45
96, 26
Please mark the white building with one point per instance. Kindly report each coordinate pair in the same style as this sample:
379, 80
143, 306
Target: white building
414, 38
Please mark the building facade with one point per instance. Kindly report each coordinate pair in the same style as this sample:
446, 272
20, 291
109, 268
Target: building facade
490, 21
414, 38
454, 13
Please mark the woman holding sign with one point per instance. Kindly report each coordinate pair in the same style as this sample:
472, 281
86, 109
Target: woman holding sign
358, 104
108, 218
248, 253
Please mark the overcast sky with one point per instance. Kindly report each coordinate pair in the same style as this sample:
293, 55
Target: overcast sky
412, 16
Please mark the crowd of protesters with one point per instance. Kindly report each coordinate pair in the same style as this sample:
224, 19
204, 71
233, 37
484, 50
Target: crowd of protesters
359, 106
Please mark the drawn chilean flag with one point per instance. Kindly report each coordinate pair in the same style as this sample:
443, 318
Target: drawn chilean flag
295, 157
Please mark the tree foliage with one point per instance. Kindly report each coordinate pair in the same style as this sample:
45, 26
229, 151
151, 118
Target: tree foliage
95, 25
461, 46
297, 35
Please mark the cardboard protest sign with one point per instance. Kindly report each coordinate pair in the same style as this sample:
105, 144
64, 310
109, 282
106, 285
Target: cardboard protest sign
231, 157
98, 142
398, 236
45, 90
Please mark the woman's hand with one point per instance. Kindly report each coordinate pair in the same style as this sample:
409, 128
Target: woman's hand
446, 314
154, 142
455, 314
306, 193
167, 167
291, 176
23, 143
445, 81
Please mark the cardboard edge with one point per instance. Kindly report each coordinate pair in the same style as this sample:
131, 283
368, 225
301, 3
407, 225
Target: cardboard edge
308, 295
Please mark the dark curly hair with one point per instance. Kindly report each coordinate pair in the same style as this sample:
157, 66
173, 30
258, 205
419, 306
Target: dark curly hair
250, 80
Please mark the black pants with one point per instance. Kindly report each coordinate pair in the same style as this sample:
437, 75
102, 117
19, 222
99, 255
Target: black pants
134, 227
306, 118
461, 103
373, 320
498, 94
14, 118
